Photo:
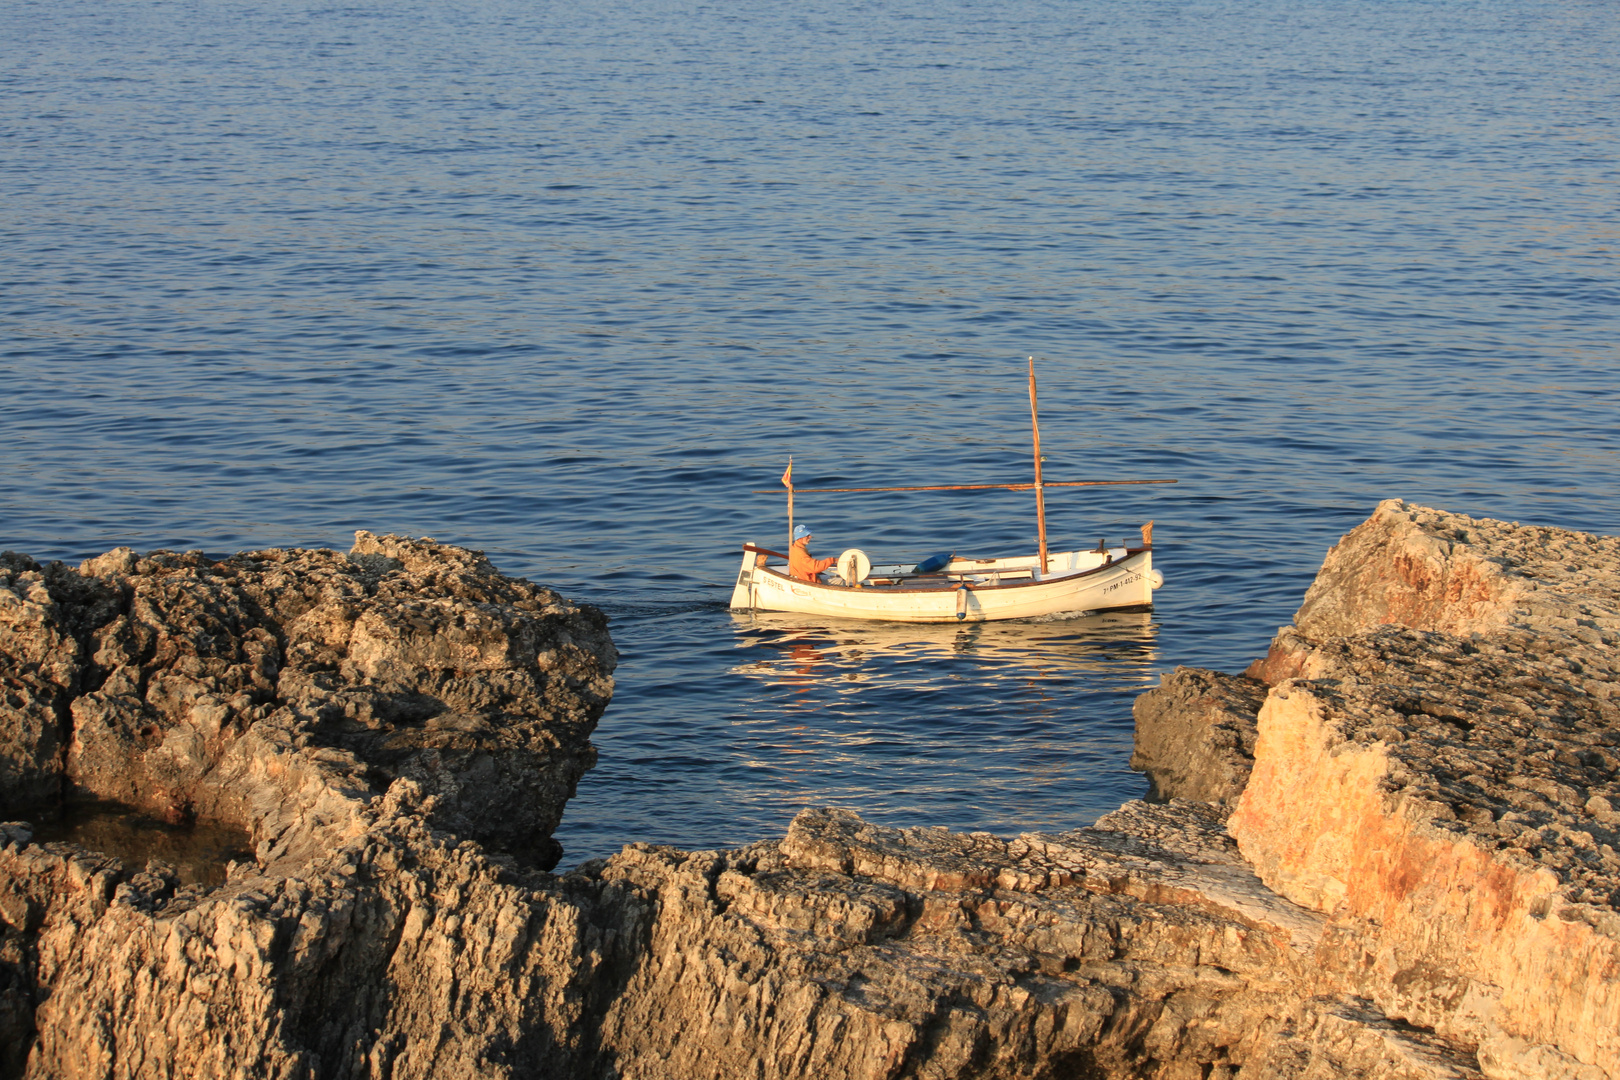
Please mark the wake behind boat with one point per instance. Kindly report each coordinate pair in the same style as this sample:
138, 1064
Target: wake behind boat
953, 589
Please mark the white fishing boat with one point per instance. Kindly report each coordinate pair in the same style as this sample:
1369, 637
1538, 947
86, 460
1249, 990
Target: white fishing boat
957, 589
962, 590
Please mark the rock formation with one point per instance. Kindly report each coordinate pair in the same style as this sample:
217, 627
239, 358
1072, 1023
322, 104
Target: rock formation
1441, 773
1388, 855
1435, 768
1195, 735
282, 692
187, 687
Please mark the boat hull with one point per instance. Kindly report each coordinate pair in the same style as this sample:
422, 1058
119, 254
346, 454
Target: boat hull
968, 590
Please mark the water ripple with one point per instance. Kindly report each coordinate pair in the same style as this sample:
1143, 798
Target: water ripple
569, 285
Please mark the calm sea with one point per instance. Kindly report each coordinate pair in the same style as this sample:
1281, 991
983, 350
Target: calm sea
568, 283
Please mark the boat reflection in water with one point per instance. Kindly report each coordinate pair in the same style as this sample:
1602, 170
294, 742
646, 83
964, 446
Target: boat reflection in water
1107, 646
1002, 726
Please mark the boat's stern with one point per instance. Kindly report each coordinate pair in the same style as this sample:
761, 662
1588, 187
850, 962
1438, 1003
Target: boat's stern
1135, 582
744, 594
1142, 580
1152, 579
1124, 575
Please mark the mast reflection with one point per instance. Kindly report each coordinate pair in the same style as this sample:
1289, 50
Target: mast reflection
1008, 724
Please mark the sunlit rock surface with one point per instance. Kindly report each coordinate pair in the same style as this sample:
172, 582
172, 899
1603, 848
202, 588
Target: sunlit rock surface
281, 694
192, 688
1440, 776
1397, 860
1434, 771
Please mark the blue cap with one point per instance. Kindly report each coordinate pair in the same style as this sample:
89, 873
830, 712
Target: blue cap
800, 532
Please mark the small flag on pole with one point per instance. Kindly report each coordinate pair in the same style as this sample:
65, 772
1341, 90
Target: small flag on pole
787, 482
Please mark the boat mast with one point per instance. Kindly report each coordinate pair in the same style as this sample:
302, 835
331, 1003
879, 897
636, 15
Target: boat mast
1040, 494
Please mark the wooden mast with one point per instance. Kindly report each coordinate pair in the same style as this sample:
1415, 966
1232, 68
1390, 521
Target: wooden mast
1040, 494
1039, 486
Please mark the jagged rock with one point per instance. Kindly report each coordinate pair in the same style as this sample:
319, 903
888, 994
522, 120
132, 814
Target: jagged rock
1195, 735
849, 949
1437, 768
186, 678
1432, 570
1285, 659
1418, 881
1338, 1037
40, 664
844, 949
1450, 795
281, 692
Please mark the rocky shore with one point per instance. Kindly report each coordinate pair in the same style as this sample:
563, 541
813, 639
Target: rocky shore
1389, 849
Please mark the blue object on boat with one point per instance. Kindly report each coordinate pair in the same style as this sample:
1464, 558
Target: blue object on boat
934, 563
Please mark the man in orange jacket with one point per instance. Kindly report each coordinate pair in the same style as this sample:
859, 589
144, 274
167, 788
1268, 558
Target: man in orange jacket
801, 564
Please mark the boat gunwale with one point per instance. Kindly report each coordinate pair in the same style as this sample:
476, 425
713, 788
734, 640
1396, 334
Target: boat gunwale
891, 590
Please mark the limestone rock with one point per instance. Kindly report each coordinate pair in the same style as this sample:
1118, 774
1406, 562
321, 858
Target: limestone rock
40, 665
1144, 947
1285, 659
406, 659
1432, 570
282, 692
1339, 1037
1418, 881
849, 949
1436, 768
1450, 795
1195, 735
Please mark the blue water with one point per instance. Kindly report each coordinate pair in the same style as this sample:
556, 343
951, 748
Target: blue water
569, 283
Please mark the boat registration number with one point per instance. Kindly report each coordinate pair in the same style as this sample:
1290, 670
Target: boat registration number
1122, 582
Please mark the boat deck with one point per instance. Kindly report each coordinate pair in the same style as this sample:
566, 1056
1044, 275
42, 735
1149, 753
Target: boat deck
974, 573
960, 590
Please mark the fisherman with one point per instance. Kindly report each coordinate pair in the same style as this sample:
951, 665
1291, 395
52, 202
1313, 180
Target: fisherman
801, 564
